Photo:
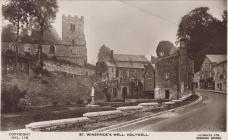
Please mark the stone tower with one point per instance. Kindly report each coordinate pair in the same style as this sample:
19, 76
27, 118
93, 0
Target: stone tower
73, 30
73, 39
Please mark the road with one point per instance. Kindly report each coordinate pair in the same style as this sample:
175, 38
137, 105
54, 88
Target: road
208, 115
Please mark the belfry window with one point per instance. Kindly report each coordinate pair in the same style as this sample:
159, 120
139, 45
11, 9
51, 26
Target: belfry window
72, 27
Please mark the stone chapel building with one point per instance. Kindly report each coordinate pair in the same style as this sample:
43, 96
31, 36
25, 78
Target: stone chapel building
174, 73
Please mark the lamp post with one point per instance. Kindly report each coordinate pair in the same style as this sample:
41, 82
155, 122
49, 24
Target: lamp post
182, 46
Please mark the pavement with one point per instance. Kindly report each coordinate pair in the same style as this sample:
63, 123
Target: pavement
215, 91
208, 115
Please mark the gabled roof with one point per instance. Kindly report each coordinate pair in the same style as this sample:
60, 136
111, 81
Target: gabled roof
128, 58
216, 58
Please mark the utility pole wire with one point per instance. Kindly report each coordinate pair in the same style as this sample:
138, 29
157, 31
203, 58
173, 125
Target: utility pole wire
148, 12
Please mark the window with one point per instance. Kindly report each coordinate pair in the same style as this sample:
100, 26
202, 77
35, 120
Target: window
26, 49
52, 49
221, 77
72, 41
166, 76
161, 53
72, 27
114, 92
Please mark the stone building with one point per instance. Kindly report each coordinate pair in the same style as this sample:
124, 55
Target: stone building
210, 71
173, 73
72, 48
196, 80
73, 30
129, 75
220, 75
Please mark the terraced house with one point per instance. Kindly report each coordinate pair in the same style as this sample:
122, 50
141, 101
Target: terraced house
132, 76
220, 76
212, 74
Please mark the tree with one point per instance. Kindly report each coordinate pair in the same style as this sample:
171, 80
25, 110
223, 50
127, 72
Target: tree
17, 12
164, 48
24, 36
8, 33
50, 36
43, 14
205, 34
104, 53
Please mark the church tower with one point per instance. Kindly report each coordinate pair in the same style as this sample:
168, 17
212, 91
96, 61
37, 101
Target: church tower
73, 30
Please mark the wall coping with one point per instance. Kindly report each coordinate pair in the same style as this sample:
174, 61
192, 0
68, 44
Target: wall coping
129, 108
56, 122
168, 103
101, 113
148, 104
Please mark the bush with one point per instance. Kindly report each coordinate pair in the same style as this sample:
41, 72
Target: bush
68, 103
55, 103
24, 103
79, 101
44, 81
10, 98
89, 100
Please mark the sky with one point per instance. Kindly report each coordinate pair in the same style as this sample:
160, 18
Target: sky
131, 27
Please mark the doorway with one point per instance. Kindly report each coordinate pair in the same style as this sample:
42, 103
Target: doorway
124, 92
220, 87
167, 94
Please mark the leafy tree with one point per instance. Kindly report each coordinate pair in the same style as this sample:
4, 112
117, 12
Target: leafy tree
17, 12
164, 48
24, 36
104, 53
8, 33
50, 36
205, 34
43, 14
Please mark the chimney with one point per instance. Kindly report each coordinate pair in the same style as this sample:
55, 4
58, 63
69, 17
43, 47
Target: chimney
183, 42
112, 59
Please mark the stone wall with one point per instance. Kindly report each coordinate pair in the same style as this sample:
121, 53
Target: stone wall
72, 53
75, 70
173, 72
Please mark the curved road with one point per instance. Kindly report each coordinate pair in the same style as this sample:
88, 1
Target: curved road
208, 115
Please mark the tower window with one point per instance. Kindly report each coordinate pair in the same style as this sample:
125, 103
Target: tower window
72, 41
166, 76
72, 27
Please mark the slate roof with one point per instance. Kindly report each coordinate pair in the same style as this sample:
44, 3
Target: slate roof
130, 58
216, 58
110, 64
130, 65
